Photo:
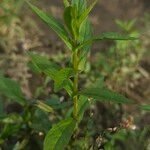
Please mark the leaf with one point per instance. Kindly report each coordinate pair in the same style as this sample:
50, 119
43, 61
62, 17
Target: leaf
83, 104
106, 36
12, 119
145, 107
126, 25
85, 34
84, 15
41, 64
58, 137
22, 144
12, 90
114, 36
85, 29
34, 67
103, 94
68, 86
54, 24
62, 78
68, 18
57, 104
44, 107
80, 4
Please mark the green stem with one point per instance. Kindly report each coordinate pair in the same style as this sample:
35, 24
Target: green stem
75, 84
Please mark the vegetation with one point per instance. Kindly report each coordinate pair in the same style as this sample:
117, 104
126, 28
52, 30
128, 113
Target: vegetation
64, 122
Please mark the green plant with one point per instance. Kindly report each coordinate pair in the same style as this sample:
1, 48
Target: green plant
77, 36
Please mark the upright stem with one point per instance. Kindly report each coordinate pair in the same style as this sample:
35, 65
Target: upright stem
75, 84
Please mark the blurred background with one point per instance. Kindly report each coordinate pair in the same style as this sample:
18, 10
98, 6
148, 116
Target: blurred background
124, 66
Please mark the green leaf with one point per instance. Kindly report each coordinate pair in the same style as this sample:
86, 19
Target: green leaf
81, 6
85, 33
114, 36
58, 137
34, 67
106, 36
68, 86
86, 12
44, 107
12, 90
62, 78
85, 29
41, 64
12, 118
57, 104
145, 107
103, 94
83, 104
54, 24
68, 18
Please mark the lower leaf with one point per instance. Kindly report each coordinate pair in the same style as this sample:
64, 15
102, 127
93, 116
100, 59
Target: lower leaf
58, 137
103, 94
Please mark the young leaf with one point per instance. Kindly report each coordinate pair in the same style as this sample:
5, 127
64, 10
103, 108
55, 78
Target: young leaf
85, 31
85, 34
68, 17
54, 24
61, 78
12, 90
103, 94
80, 4
85, 14
58, 137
